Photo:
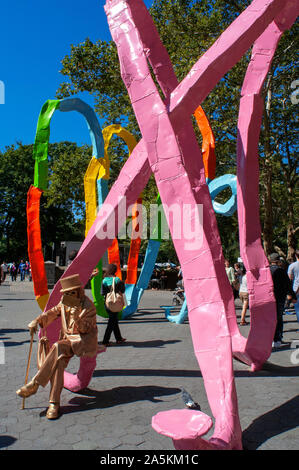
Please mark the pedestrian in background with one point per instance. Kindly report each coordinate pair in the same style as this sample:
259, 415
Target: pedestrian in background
112, 325
22, 270
244, 296
163, 279
27, 269
155, 282
72, 256
13, 271
4, 270
282, 289
293, 272
232, 278
238, 272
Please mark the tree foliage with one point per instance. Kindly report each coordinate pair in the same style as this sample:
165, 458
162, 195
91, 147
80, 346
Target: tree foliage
59, 203
187, 30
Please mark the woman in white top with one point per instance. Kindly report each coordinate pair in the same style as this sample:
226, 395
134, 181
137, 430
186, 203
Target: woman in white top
243, 294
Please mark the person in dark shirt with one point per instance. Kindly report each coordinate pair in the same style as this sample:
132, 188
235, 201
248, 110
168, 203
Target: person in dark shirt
112, 325
282, 288
22, 270
155, 282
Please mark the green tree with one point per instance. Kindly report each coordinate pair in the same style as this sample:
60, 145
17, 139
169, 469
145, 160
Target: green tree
16, 170
66, 159
58, 203
279, 150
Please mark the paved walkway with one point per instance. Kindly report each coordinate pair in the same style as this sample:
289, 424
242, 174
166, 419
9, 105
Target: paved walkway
134, 381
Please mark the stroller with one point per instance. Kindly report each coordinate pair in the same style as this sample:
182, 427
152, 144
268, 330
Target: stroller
178, 295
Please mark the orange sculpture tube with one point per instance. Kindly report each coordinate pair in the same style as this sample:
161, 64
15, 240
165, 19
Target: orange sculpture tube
35, 253
135, 246
208, 143
113, 257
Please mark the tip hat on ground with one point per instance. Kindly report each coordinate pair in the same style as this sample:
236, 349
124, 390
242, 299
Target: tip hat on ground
274, 257
70, 283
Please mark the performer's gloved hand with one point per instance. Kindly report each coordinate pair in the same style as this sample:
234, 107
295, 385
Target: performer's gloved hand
33, 326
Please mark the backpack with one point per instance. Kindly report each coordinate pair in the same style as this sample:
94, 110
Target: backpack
114, 301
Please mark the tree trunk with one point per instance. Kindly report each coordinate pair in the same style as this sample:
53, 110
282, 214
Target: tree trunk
268, 220
291, 238
8, 247
268, 217
291, 243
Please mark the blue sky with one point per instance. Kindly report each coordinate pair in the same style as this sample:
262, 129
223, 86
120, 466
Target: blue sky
34, 37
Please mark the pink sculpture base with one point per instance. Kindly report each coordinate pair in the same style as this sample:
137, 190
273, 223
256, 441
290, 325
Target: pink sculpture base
76, 382
186, 428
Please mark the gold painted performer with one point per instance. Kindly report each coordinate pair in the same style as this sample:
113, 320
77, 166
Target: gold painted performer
78, 336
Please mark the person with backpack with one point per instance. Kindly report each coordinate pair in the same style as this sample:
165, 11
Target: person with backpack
113, 290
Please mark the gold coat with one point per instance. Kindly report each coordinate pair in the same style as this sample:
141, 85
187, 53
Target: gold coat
80, 326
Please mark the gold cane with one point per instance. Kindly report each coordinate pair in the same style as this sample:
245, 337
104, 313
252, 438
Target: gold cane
28, 367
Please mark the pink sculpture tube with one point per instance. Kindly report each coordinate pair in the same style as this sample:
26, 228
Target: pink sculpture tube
143, 95
262, 302
202, 266
170, 151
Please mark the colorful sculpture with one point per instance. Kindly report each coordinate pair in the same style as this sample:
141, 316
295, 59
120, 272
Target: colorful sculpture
150, 258
169, 149
113, 250
216, 185
96, 182
262, 304
98, 170
40, 153
95, 192
96, 177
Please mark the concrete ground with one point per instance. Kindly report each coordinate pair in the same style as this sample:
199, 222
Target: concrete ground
134, 381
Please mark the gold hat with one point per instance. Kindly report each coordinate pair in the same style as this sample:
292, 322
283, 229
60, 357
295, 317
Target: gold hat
70, 283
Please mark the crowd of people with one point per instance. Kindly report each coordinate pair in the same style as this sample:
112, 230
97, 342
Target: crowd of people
285, 285
159, 277
285, 281
13, 270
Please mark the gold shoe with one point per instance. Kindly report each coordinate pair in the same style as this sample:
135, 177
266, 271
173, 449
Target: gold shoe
28, 389
53, 411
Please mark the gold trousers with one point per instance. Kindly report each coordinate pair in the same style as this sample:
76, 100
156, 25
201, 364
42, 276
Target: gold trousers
53, 368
